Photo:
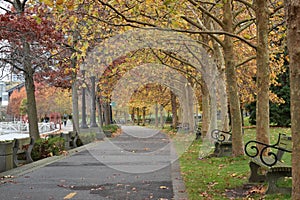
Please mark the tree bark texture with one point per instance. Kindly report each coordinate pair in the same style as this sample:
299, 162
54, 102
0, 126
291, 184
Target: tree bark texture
100, 113
293, 37
144, 116
223, 101
161, 113
205, 109
107, 115
29, 81
174, 110
236, 121
30, 92
222, 86
156, 115
75, 108
263, 72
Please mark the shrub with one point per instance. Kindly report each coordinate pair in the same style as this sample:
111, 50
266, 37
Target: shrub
47, 147
111, 127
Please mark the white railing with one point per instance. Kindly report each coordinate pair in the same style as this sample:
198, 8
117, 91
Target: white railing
21, 127
46, 127
12, 127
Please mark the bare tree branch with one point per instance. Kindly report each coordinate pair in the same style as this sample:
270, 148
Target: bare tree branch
245, 61
176, 68
198, 5
201, 28
246, 3
124, 17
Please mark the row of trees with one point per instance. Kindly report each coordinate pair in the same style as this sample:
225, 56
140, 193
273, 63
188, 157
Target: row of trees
49, 100
56, 37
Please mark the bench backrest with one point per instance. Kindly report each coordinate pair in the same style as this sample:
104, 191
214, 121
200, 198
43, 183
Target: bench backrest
220, 135
284, 144
268, 151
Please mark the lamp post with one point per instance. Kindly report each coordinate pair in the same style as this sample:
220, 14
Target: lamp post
93, 103
83, 107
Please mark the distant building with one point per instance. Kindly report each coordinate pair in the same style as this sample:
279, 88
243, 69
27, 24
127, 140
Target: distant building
5, 93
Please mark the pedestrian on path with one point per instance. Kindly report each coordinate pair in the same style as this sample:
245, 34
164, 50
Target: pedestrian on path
65, 119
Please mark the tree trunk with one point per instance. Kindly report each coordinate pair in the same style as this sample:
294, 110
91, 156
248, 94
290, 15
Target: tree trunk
29, 82
263, 72
144, 116
106, 113
213, 108
223, 102
174, 110
133, 115
30, 89
293, 37
161, 113
100, 113
236, 121
156, 115
222, 86
138, 115
190, 101
205, 109
75, 108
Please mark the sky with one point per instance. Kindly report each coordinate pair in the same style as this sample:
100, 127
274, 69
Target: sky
3, 4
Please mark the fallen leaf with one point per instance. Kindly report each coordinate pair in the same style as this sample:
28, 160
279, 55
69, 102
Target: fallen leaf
163, 187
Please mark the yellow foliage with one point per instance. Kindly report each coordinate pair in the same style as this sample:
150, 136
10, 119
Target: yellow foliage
48, 2
59, 2
70, 4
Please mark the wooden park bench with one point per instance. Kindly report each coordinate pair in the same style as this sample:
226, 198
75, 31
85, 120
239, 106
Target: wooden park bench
270, 163
22, 151
223, 142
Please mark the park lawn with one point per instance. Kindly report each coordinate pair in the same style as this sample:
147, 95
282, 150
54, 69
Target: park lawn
218, 178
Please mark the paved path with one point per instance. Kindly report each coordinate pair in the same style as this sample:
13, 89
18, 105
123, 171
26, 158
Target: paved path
139, 164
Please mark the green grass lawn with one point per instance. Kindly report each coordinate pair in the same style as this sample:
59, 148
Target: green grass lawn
218, 178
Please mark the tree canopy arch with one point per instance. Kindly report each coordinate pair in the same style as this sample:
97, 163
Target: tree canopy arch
156, 73
114, 47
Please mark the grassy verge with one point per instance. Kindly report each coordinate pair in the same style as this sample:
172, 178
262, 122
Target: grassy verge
223, 178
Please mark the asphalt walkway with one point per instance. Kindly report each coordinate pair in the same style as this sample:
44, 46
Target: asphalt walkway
140, 164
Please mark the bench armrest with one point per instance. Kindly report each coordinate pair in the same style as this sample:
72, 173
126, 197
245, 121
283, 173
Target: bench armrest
220, 135
274, 151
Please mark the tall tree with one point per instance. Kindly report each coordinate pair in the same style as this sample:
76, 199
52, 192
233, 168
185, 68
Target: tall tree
77, 19
293, 37
29, 41
263, 71
236, 121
